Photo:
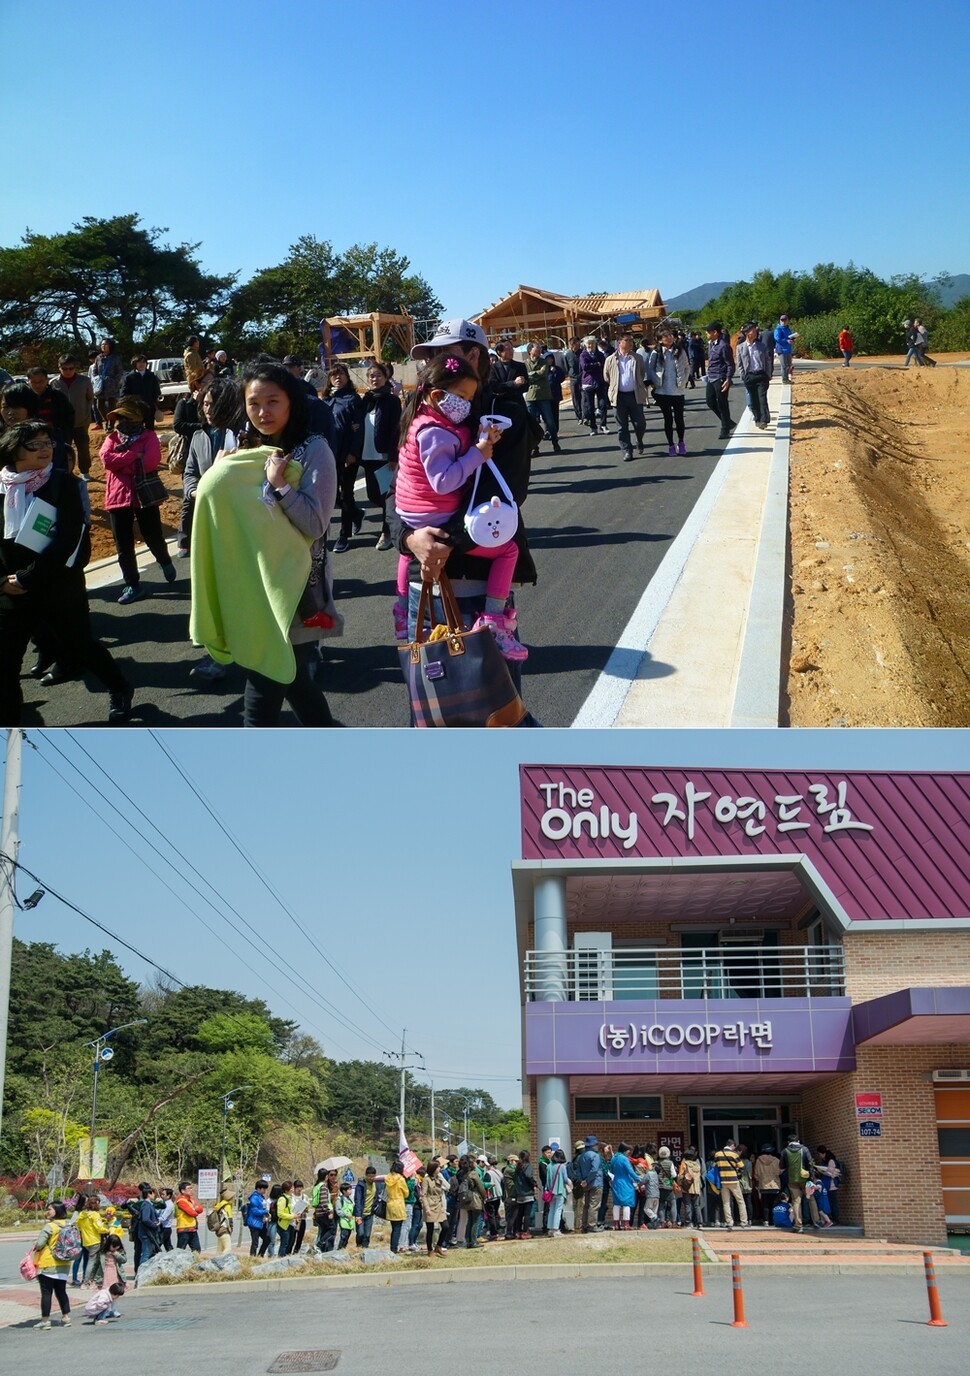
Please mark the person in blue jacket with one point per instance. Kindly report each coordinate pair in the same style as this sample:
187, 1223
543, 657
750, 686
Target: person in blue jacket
623, 1181
783, 347
257, 1215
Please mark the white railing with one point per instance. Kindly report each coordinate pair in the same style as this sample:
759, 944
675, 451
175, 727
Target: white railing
718, 972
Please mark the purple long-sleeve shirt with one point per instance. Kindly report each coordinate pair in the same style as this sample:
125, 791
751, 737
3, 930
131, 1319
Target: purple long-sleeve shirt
446, 470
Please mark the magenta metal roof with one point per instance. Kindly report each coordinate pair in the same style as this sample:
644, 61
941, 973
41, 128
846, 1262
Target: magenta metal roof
888, 845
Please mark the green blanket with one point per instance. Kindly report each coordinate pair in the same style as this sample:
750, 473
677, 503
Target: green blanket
250, 566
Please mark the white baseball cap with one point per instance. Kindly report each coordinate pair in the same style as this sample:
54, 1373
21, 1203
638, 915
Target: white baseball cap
451, 332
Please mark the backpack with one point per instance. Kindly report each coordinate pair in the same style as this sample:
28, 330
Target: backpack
795, 1165
244, 1210
177, 453
67, 1245
665, 1173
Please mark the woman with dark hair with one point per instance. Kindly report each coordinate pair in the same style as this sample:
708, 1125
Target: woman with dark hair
260, 573
18, 403
524, 1188
51, 1269
348, 420
382, 422
107, 379
471, 1199
222, 415
669, 375
42, 585
143, 383
434, 1190
396, 1189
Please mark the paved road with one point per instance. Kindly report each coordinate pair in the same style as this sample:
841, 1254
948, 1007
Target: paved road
598, 528
800, 1324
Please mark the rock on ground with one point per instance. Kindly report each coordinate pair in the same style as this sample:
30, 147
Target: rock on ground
174, 1263
227, 1262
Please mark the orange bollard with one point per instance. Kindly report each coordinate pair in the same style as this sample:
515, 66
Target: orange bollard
698, 1291
936, 1319
737, 1292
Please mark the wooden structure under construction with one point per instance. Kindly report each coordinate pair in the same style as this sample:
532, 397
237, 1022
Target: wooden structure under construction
369, 332
529, 313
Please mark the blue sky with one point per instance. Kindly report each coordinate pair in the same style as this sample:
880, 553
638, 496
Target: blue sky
576, 147
392, 849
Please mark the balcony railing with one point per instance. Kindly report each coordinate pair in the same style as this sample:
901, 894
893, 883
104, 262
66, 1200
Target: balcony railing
720, 972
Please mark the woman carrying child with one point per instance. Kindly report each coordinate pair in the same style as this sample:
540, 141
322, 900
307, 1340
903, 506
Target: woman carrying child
436, 460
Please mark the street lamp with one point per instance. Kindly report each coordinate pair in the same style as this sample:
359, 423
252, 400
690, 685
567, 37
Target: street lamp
227, 1104
103, 1052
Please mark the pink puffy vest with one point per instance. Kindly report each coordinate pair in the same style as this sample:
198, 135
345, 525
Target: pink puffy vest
412, 491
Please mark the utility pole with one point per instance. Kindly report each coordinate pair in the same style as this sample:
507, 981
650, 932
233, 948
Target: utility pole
9, 845
402, 1056
434, 1142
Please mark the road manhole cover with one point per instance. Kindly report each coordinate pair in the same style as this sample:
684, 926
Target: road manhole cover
319, 1360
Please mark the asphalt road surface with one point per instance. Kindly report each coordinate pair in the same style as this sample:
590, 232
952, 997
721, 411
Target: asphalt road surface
800, 1324
598, 528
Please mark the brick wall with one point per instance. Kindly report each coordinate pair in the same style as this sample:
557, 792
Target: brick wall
880, 963
895, 1190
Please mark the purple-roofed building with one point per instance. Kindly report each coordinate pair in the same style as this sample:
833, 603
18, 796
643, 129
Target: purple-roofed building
747, 954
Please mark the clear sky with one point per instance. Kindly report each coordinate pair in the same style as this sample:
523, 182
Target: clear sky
391, 849
578, 147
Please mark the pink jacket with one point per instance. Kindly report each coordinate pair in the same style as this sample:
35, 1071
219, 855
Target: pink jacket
119, 466
414, 490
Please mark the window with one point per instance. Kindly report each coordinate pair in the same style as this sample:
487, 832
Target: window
640, 1106
953, 1141
610, 1108
599, 1109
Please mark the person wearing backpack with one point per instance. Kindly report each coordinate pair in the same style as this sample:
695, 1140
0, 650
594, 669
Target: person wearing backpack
691, 1178
666, 1175
220, 1219
284, 1217
801, 1169
52, 1266
146, 1233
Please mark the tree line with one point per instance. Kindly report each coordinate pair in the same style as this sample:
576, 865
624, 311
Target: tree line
116, 277
820, 302
159, 1098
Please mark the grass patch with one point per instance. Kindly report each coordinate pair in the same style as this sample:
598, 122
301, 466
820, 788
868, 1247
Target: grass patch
594, 1249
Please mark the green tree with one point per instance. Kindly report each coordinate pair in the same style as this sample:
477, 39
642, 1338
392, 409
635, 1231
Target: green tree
364, 1097
105, 277
280, 308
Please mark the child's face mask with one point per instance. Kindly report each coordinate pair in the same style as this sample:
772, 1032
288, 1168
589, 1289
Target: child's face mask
456, 408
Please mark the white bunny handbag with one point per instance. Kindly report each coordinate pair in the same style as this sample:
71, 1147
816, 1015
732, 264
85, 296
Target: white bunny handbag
493, 523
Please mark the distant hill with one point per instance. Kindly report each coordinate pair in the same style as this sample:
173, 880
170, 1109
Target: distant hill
959, 288
697, 296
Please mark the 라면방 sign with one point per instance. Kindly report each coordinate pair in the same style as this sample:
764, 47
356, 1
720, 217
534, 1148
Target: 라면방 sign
870, 1127
868, 1106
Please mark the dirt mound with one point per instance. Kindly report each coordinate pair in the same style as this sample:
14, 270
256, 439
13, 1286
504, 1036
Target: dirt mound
880, 548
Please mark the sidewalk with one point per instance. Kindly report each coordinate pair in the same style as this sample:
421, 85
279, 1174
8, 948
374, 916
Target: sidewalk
703, 647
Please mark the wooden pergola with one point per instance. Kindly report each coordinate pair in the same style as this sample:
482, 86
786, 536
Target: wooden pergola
529, 312
370, 333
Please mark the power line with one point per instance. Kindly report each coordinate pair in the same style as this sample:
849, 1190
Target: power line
243, 854
144, 841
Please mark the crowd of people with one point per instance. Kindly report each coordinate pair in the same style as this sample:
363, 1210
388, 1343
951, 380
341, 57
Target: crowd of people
447, 1202
269, 456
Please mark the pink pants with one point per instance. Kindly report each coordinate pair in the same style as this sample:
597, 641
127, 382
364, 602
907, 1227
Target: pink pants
500, 575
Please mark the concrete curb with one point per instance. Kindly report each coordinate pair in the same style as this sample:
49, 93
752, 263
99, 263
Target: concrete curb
612, 688
757, 698
539, 1271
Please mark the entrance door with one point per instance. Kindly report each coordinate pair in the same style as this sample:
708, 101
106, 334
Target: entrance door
750, 1126
953, 1132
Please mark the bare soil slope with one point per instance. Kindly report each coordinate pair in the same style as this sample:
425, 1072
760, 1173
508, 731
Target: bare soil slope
880, 548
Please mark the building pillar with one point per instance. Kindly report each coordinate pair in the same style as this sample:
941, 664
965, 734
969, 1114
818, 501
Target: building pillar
549, 912
552, 1111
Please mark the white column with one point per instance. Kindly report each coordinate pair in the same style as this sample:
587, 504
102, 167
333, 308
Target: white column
552, 1111
549, 911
